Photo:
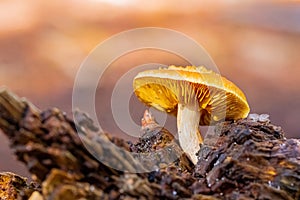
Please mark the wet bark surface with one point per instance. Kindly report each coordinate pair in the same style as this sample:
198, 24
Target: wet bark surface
246, 159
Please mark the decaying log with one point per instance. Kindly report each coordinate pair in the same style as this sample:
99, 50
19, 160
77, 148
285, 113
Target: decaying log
13, 187
246, 159
250, 159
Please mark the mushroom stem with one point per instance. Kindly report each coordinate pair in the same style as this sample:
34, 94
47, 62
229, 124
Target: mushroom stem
188, 117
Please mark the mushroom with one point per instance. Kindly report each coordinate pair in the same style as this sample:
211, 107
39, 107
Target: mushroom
197, 96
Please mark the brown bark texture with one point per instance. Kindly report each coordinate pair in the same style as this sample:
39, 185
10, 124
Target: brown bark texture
246, 159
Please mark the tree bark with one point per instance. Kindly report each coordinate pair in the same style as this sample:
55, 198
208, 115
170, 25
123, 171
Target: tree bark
246, 159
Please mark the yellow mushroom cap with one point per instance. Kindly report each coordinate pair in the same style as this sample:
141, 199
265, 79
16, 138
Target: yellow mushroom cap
218, 98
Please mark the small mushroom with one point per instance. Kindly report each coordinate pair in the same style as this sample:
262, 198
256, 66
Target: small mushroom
196, 95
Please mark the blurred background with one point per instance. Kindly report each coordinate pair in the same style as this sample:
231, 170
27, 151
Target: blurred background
255, 45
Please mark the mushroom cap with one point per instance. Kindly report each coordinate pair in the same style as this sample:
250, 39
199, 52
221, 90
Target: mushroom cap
218, 98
